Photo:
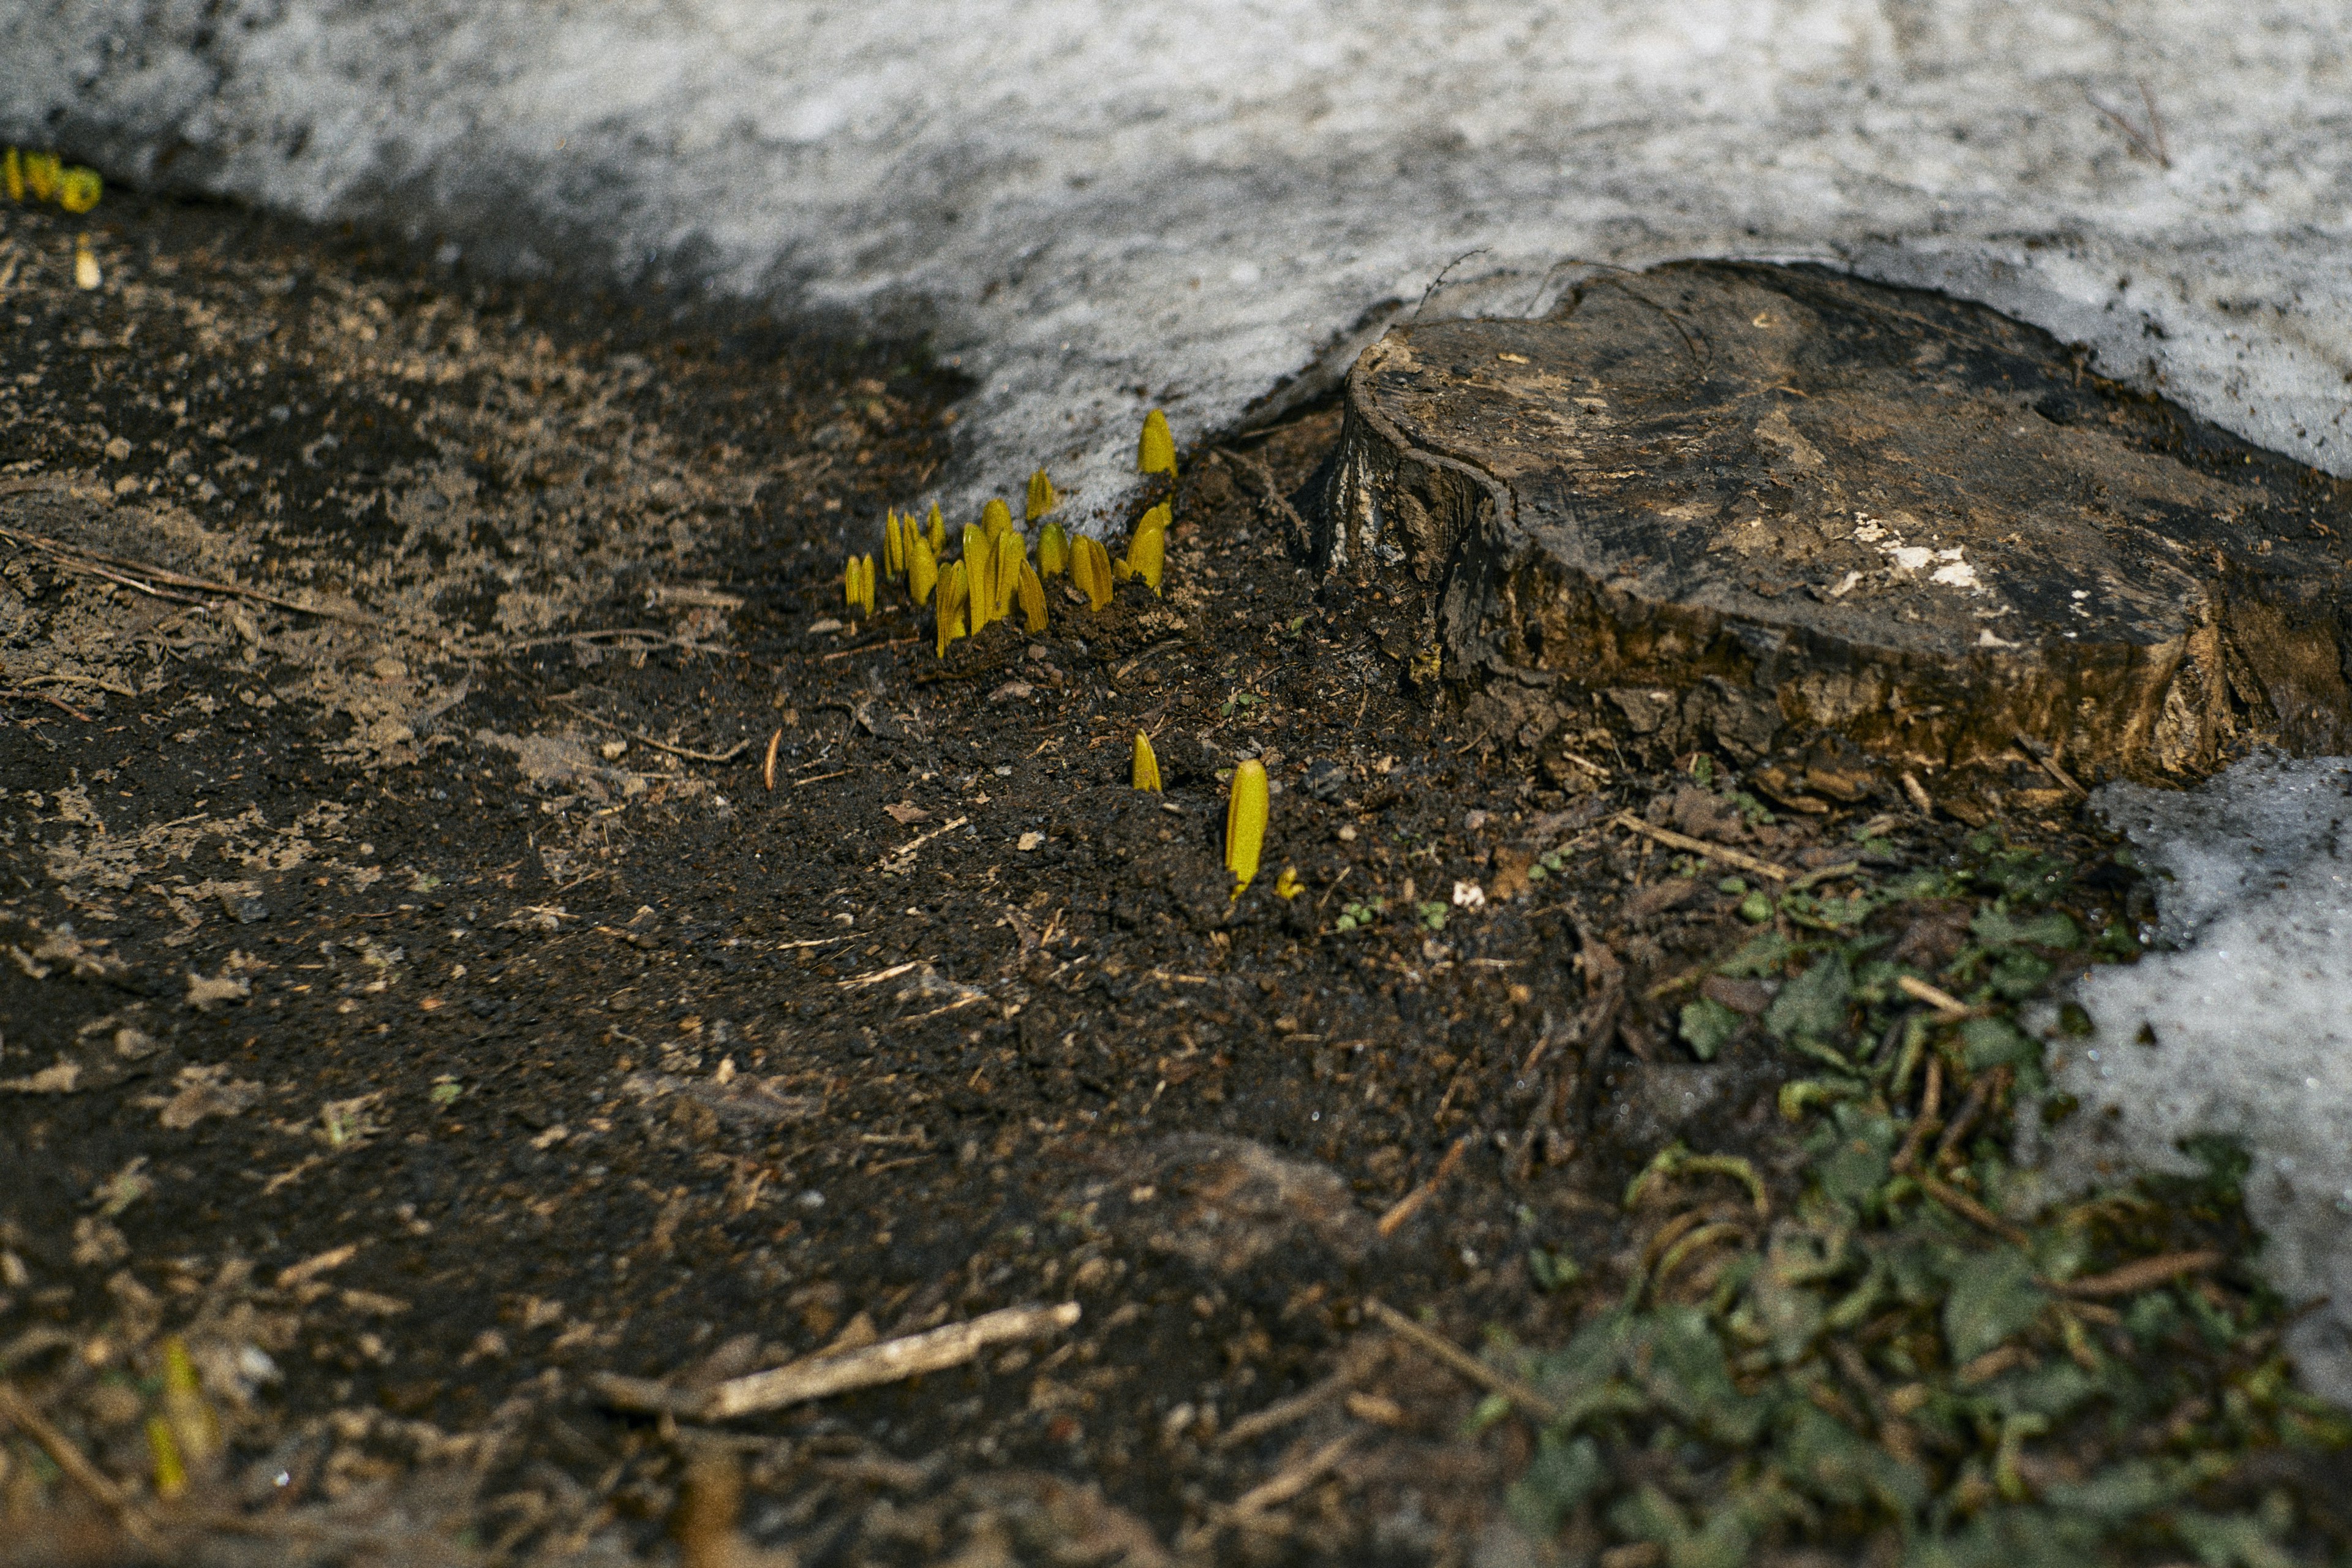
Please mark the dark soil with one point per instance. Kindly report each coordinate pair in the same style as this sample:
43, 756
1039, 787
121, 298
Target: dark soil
425, 1000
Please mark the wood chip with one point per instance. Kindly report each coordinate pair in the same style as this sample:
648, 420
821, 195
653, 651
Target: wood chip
1672, 840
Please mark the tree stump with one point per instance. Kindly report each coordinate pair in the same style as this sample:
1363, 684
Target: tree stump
1745, 504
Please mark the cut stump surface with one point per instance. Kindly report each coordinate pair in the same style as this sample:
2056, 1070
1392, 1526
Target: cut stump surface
1750, 503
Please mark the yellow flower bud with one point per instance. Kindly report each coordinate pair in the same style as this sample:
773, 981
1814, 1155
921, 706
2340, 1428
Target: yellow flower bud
1147, 550
1033, 599
1004, 574
1156, 452
1053, 551
79, 189
938, 528
1042, 499
171, 1475
1245, 823
980, 573
849, 585
894, 548
193, 1423
41, 173
1090, 570
12, 167
922, 567
866, 577
995, 518
955, 588
1287, 885
1145, 769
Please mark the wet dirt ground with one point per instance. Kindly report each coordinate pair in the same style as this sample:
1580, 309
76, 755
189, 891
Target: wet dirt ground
481, 916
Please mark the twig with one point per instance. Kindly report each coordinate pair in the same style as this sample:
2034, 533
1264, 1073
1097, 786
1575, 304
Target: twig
2144, 1275
2048, 765
1405, 1207
1682, 841
728, 755
1281, 1488
45, 697
1441, 1348
76, 558
1967, 1208
1931, 1098
892, 1361
1254, 467
1980, 1095
1950, 1006
19, 1414
865, 648
768, 768
1811, 879
905, 853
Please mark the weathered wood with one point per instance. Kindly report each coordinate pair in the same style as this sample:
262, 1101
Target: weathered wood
1752, 503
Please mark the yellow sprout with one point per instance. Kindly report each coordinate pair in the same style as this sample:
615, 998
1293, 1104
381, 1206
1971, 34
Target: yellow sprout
1033, 599
922, 567
979, 574
1053, 551
995, 518
79, 189
42, 172
86, 273
894, 548
171, 1475
1245, 823
193, 1421
1146, 548
1042, 499
1145, 769
852, 582
938, 528
955, 588
1004, 572
1090, 570
1156, 452
1287, 885
13, 166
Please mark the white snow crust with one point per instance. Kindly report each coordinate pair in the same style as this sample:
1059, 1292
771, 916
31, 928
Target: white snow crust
2240, 1024
1094, 208
1210, 206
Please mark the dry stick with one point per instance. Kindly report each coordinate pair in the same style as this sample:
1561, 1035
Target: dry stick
728, 755
60, 1448
1672, 840
2144, 1275
2048, 764
1281, 1488
1444, 1350
768, 768
1968, 1209
1980, 1093
1254, 468
45, 697
1930, 1099
1411, 1203
76, 558
865, 648
1944, 1002
889, 1361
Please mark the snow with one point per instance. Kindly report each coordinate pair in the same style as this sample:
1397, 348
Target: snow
1211, 207
2240, 1024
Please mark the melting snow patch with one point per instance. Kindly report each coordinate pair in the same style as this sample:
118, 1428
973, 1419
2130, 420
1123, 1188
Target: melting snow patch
2240, 1025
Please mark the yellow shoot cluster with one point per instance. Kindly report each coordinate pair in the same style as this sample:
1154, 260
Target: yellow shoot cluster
994, 574
1245, 823
43, 178
1145, 769
857, 584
